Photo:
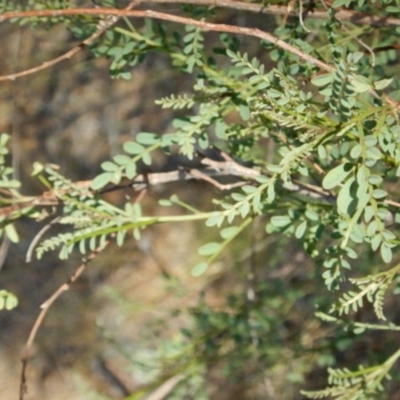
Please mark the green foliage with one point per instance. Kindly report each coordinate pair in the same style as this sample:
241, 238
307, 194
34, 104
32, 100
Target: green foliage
365, 383
123, 165
8, 301
9, 187
93, 220
325, 150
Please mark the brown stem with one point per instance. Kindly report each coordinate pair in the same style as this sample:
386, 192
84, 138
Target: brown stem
207, 26
227, 167
345, 15
271, 9
45, 308
47, 64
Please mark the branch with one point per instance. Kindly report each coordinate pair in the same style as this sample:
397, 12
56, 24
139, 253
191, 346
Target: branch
102, 27
165, 388
26, 352
207, 26
227, 167
347, 15
39, 236
344, 15
140, 182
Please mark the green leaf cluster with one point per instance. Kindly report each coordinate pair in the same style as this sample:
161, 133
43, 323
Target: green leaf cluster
323, 148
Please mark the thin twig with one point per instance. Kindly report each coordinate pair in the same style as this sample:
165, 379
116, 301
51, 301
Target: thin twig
165, 388
227, 167
5, 245
26, 352
102, 27
38, 236
347, 15
271, 9
301, 17
228, 186
207, 26
358, 40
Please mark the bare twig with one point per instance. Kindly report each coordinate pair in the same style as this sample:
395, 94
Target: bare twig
238, 5
26, 352
213, 168
229, 186
103, 26
38, 236
5, 245
207, 26
113, 376
346, 15
301, 16
358, 40
271, 9
166, 388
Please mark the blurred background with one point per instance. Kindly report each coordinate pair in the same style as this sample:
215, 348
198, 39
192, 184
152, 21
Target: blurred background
138, 324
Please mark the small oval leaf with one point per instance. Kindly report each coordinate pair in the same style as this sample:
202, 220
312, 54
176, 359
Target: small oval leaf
199, 269
337, 175
209, 248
